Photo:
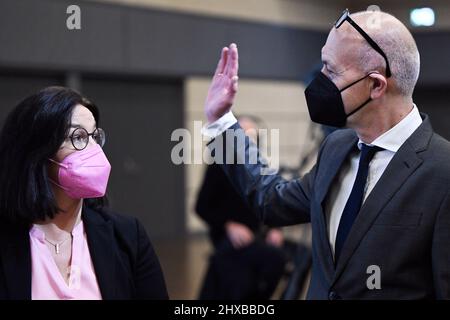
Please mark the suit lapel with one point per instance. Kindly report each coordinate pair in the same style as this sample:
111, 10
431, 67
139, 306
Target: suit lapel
16, 261
100, 237
402, 165
338, 154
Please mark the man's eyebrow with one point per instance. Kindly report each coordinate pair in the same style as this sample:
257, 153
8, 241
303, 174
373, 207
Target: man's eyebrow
327, 62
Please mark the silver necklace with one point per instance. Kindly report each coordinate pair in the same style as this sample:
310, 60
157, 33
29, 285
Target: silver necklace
57, 245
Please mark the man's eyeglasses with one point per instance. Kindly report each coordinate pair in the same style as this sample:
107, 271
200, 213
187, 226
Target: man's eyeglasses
80, 138
346, 17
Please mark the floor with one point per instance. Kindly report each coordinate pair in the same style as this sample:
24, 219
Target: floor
184, 263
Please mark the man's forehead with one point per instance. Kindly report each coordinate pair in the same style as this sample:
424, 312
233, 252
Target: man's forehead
340, 46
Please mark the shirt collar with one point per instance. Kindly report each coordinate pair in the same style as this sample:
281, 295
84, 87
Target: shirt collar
39, 234
394, 138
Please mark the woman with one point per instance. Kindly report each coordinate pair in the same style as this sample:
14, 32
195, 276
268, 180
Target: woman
57, 239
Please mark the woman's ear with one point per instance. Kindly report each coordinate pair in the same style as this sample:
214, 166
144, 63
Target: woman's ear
52, 169
378, 85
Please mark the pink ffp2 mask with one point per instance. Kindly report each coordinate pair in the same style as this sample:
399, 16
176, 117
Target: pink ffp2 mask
84, 174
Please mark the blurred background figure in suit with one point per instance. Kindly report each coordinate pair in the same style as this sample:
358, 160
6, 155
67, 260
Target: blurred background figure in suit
248, 260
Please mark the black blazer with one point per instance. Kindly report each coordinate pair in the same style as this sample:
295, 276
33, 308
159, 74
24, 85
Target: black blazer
124, 261
403, 226
218, 202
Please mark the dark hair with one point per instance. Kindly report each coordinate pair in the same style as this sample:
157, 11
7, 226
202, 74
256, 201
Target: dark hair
259, 123
33, 132
255, 119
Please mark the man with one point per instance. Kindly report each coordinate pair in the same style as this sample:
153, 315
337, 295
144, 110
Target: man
378, 198
242, 246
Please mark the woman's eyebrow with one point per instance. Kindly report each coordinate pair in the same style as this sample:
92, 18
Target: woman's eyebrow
76, 125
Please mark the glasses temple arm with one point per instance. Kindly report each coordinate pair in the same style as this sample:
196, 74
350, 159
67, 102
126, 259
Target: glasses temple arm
373, 44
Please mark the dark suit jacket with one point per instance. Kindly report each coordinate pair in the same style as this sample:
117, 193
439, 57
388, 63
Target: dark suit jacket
403, 226
218, 202
124, 261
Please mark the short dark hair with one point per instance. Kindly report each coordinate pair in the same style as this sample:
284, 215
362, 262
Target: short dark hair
32, 133
255, 119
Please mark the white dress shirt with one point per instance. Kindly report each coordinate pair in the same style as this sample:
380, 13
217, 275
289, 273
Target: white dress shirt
340, 191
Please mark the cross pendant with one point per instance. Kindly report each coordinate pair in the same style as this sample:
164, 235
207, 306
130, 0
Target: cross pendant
57, 248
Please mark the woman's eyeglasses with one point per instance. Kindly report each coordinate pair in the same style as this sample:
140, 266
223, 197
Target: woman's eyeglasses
346, 17
80, 138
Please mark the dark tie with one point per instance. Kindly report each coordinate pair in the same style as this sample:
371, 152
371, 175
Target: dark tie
355, 200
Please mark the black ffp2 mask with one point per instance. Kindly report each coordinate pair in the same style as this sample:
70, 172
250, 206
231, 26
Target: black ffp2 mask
325, 103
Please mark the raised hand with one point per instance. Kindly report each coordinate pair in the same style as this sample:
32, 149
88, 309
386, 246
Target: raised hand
224, 84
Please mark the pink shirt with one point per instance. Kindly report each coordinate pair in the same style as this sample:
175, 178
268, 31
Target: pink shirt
46, 279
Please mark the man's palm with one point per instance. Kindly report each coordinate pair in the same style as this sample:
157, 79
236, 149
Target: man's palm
224, 85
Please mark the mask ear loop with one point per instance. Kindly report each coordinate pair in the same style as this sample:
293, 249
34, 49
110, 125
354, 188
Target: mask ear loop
354, 82
58, 163
359, 108
53, 181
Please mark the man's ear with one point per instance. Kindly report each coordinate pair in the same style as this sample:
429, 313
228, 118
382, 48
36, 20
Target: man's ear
378, 85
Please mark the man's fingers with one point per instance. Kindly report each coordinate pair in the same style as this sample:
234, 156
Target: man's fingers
247, 238
234, 84
234, 61
232, 55
222, 62
235, 242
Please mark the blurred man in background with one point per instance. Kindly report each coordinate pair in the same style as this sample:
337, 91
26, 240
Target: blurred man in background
248, 260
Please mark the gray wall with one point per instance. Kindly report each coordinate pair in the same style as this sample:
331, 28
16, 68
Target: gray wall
16, 86
138, 116
121, 39
132, 40
434, 100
